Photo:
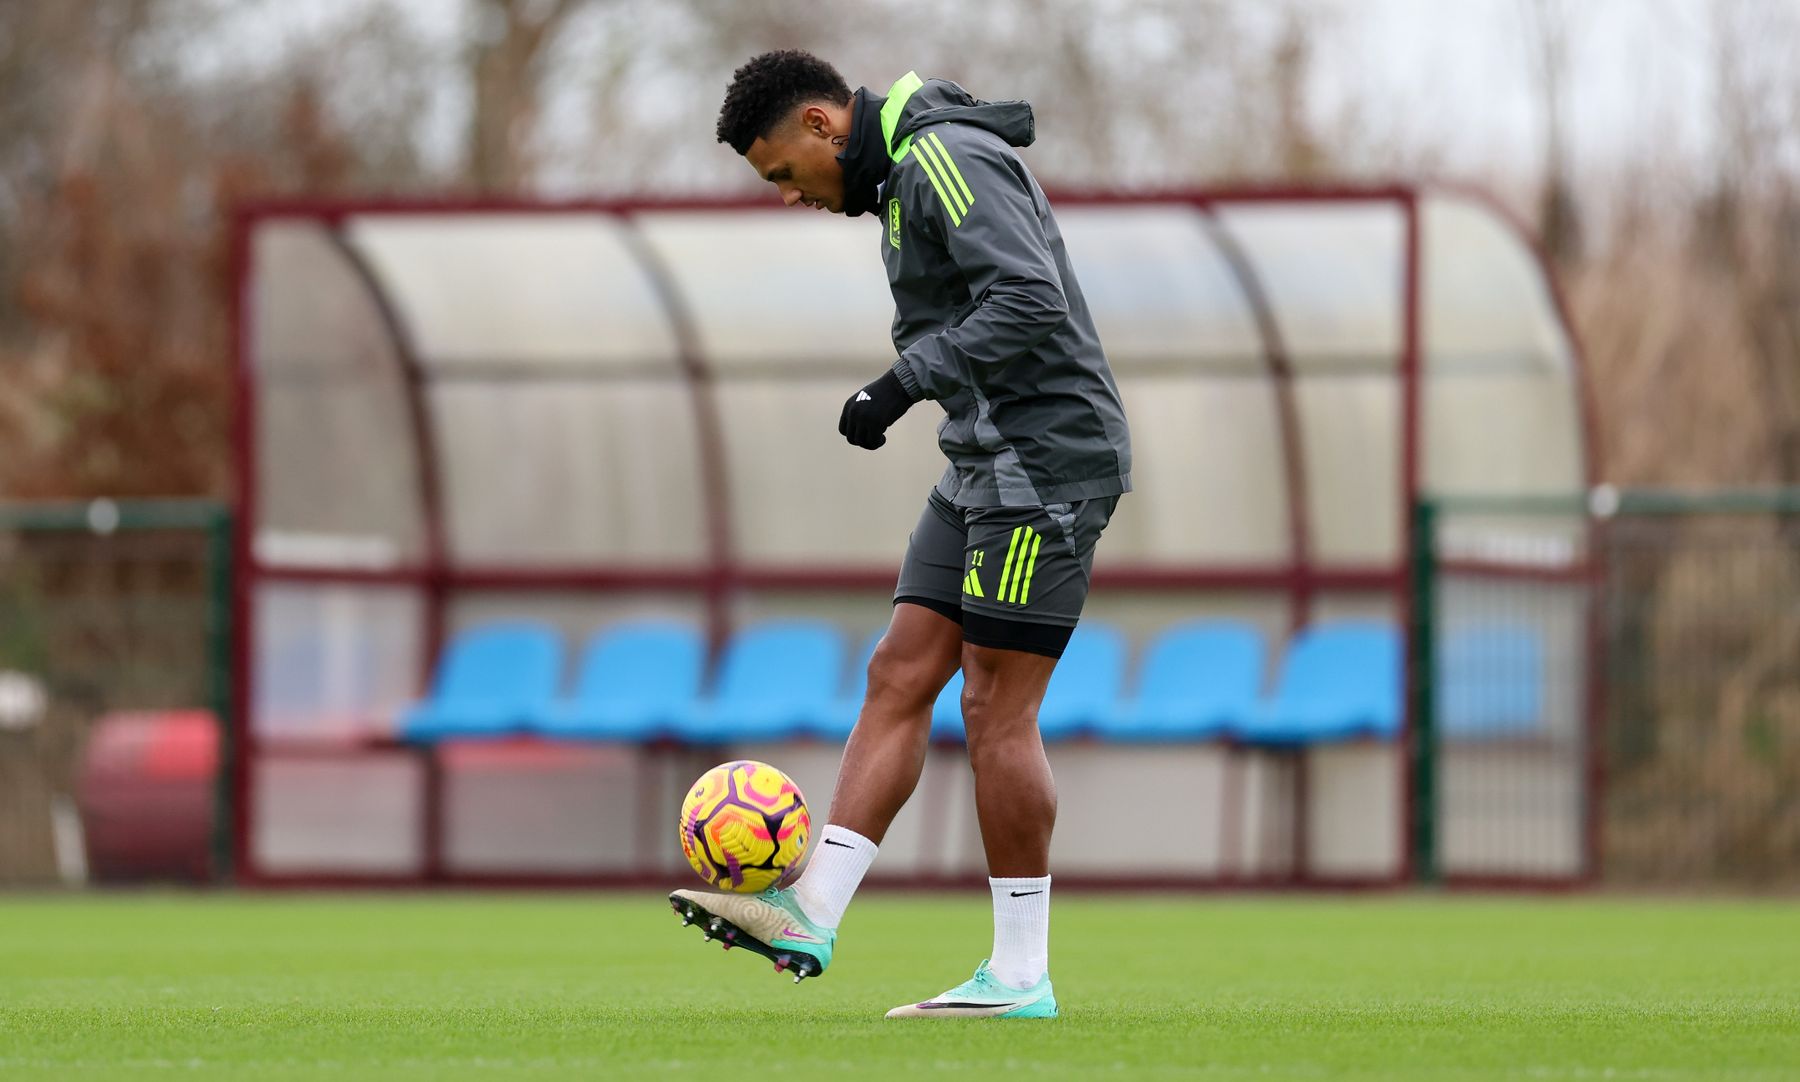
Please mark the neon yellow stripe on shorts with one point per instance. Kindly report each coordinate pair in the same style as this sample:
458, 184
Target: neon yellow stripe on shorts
1006, 572
1030, 569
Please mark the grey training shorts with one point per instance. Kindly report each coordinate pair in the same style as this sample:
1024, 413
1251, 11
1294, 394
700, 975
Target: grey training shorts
1014, 577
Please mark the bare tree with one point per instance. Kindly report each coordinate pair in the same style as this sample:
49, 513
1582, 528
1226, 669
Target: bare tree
50, 56
1128, 93
1751, 224
508, 45
119, 370
1548, 36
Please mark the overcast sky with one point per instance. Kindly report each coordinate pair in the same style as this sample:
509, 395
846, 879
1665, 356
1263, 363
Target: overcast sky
1459, 73
1454, 76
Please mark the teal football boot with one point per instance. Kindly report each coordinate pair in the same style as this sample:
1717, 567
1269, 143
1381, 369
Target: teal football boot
770, 924
983, 996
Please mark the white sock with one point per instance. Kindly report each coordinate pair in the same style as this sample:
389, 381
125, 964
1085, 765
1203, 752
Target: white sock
1021, 930
839, 859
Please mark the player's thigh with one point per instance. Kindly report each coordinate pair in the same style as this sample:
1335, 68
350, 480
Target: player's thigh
918, 655
923, 644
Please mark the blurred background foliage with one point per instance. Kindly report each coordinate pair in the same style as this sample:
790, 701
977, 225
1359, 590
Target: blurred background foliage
128, 128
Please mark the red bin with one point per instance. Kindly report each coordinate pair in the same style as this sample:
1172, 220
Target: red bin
146, 794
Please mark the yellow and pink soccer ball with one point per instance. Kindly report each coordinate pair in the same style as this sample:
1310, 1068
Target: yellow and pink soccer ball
744, 826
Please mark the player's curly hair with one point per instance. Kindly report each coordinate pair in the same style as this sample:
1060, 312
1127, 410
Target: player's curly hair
767, 89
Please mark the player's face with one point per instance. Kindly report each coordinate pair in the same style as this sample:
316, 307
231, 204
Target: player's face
800, 159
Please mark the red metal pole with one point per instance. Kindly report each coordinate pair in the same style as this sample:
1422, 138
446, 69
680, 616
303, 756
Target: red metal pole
709, 430
626, 578
431, 512
315, 209
1594, 810
1411, 407
1287, 415
243, 533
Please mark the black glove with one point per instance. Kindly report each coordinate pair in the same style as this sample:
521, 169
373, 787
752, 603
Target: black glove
871, 411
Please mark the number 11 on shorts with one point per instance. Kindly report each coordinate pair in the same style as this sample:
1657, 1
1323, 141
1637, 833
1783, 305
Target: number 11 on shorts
972, 581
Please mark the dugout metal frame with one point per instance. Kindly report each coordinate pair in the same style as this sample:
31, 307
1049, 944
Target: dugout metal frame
1300, 577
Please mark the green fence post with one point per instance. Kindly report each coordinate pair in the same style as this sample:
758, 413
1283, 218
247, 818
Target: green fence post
218, 682
1419, 691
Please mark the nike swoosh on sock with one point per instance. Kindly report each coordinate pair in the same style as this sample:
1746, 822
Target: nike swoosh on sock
840, 845
1025, 893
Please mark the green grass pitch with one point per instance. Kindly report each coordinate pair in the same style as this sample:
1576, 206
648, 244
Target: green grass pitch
609, 986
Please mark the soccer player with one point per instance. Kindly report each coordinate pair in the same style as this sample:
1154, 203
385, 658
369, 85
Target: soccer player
990, 323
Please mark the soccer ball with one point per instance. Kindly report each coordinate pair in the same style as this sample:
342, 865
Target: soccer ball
744, 825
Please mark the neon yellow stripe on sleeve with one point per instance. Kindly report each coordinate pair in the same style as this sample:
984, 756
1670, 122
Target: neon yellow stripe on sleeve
939, 181
944, 154
930, 148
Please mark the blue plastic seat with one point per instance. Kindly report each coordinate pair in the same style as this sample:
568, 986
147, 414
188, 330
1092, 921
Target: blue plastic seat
946, 712
844, 712
776, 680
1087, 684
1339, 681
1198, 680
1490, 682
491, 681
636, 681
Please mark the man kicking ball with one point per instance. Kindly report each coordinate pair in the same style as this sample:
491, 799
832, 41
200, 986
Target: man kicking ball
991, 324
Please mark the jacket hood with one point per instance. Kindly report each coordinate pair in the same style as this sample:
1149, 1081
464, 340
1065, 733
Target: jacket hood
913, 103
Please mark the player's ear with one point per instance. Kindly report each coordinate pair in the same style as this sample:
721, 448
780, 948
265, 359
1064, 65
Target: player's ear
816, 122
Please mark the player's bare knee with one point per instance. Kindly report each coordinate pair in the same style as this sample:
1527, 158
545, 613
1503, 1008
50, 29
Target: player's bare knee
991, 722
902, 684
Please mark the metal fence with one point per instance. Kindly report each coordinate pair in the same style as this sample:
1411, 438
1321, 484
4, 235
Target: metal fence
1614, 688
1605, 690
104, 607
1702, 673
1504, 689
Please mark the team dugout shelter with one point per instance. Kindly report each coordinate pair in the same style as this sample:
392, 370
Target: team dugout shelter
559, 422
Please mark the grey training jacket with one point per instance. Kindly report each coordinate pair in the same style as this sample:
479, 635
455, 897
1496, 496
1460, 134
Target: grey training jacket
988, 317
